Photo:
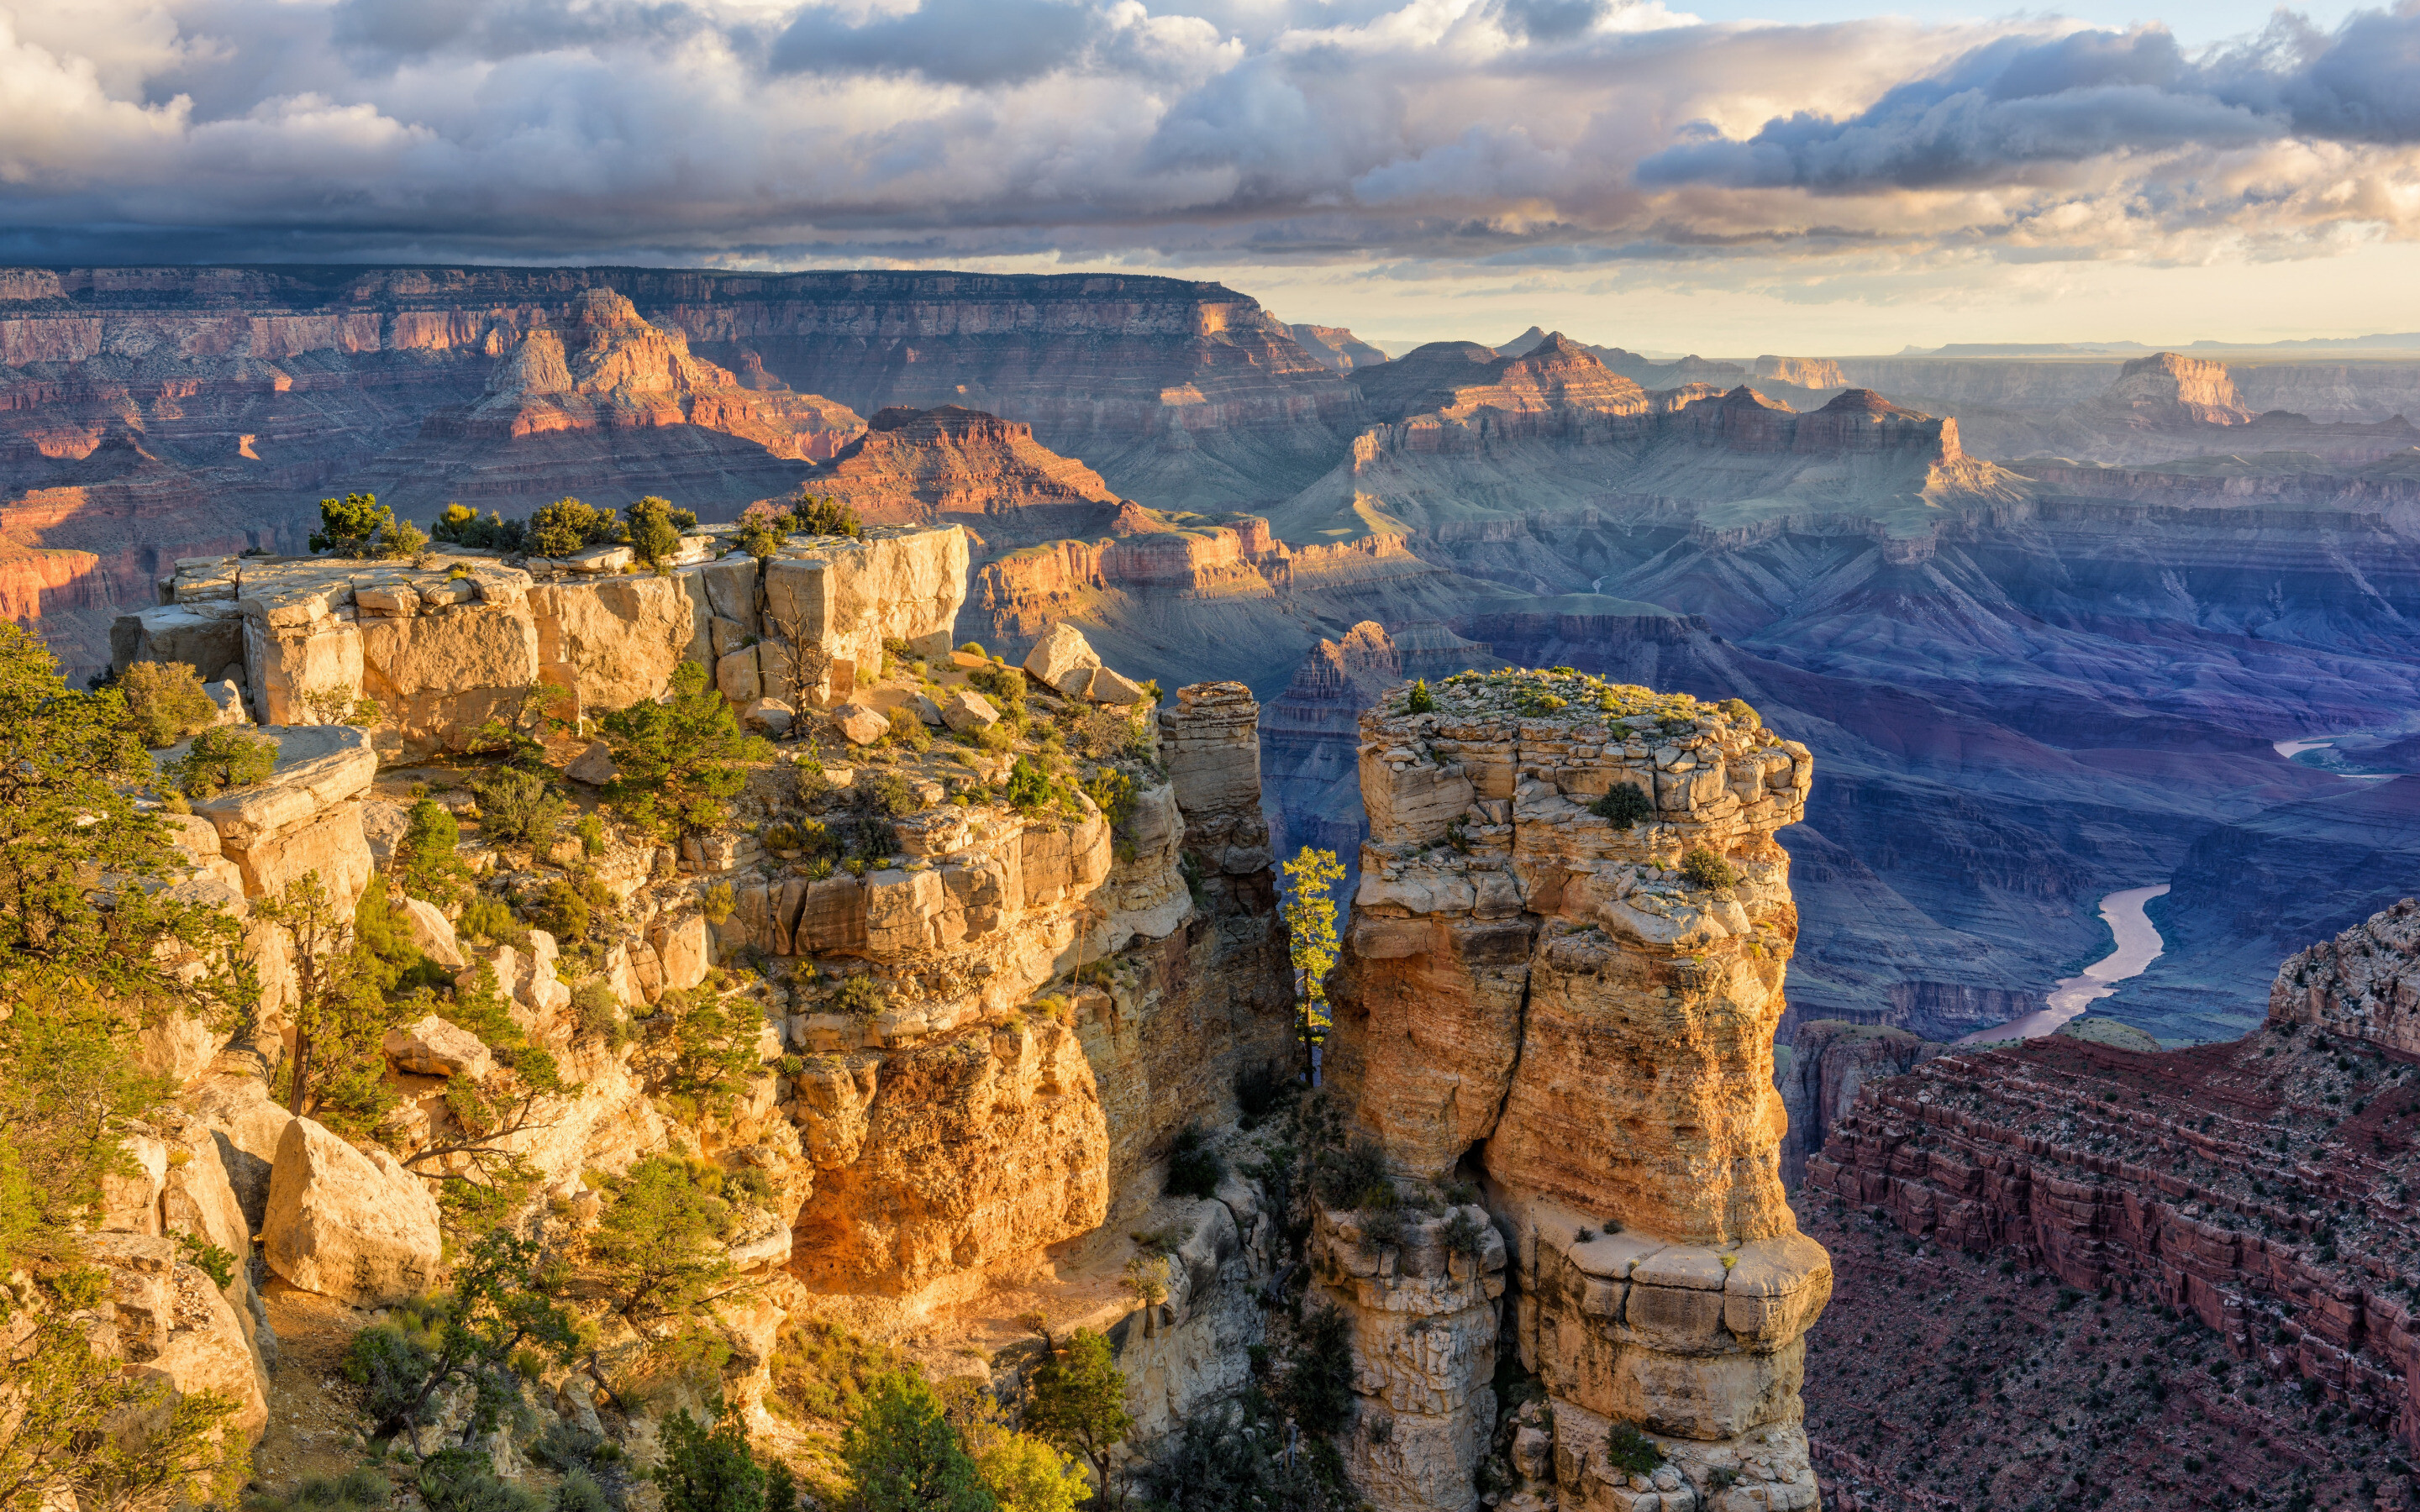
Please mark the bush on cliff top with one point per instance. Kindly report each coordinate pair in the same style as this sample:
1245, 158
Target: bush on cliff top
655, 528
1703, 868
220, 758
813, 515
566, 526
1625, 803
165, 702
358, 524
676, 758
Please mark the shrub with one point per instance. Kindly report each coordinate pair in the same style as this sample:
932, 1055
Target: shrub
1006, 685
566, 526
1421, 700
426, 862
465, 1480
1344, 1175
223, 757
1632, 1452
719, 902
489, 917
762, 530
1113, 792
811, 515
974, 648
893, 794
460, 525
1381, 1227
561, 911
1258, 1089
599, 1013
825, 1371
516, 806
1703, 868
860, 995
909, 731
1194, 1169
1464, 1235
676, 758
1625, 803
655, 528
706, 1466
358, 524
904, 1457
165, 702
1740, 712
1319, 1390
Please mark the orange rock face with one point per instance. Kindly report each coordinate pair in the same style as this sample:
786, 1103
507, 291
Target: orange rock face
962, 467
1562, 977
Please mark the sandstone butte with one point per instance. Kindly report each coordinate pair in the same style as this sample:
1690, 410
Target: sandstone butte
1536, 1000
1060, 994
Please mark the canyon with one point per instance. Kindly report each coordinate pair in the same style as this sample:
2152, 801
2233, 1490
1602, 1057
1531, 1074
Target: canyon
2039, 618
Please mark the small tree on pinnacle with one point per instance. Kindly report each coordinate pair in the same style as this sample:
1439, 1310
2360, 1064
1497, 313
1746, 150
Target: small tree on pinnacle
1311, 929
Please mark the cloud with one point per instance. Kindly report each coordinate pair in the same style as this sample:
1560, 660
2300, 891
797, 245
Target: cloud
1546, 133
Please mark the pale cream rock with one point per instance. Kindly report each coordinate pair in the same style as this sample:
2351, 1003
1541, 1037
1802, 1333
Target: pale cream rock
304, 817
440, 677
1064, 661
130, 1199
173, 1325
1109, 686
967, 712
862, 725
432, 1047
359, 1228
432, 932
767, 717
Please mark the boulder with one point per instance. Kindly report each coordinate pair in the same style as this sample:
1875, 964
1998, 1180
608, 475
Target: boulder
1064, 659
228, 695
172, 1325
863, 726
927, 709
767, 717
737, 676
248, 1129
593, 766
681, 948
431, 933
969, 711
353, 1227
1109, 686
433, 1047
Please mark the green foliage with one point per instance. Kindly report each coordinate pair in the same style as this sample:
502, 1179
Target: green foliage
599, 1013
1342, 1176
1238, 1463
1194, 1169
1632, 1452
427, 863
1740, 712
360, 1489
578, 1491
214, 1262
698, 1049
560, 910
1464, 1235
717, 903
1319, 1388
1005, 685
460, 525
706, 1466
811, 516
566, 526
824, 1370
676, 758
358, 524
505, 1298
489, 919
904, 1456
165, 702
655, 1250
892, 794
338, 1015
1420, 700
1309, 912
465, 1480
592, 834
220, 758
517, 806
762, 531
58, 1390
1625, 803
1075, 1398
862, 994
1703, 868
1113, 793
655, 528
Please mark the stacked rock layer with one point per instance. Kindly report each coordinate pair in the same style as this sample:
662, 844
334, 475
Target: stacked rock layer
1570, 1000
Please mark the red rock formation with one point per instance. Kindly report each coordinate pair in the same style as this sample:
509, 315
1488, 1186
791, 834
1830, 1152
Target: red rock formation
962, 467
2168, 390
2261, 1185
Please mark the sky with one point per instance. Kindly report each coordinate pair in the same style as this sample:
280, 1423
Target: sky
1734, 178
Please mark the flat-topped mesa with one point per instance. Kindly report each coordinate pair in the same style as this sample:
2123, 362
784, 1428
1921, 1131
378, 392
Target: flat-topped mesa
1562, 977
452, 640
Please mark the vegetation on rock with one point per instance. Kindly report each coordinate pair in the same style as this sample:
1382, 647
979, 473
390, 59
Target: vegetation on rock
676, 758
1309, 913
1075, 1398
655, 528
566, 526
1625, 803
165, 702
904, 1456
358, 524
220, 758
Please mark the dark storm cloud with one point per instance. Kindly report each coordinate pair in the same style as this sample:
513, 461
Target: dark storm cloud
2014, 104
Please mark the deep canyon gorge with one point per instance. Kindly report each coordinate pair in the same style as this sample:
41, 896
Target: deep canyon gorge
1709, 749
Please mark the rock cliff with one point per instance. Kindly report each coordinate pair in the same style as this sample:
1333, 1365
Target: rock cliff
955, 466
1539, 996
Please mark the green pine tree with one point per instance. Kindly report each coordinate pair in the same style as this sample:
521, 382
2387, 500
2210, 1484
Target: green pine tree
904, 1457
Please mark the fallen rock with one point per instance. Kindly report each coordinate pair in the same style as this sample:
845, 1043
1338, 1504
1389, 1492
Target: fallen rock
1110, 687
862, 725
967, 712
593, 766
356, 1228
432, 934
1064, 659
173, 1325
926, 710
769, 717
433, 1047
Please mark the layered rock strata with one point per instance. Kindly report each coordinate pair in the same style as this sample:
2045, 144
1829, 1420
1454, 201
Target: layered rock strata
1546, 998
2261, 1186
452, 640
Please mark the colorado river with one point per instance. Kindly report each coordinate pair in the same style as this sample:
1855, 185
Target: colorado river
2138, 945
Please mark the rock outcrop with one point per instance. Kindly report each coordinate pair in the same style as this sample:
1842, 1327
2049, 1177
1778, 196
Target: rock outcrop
2366, 983
955, 466
1335, 348
1557, 1002
2166, 390
1821, 1071
355, 1226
